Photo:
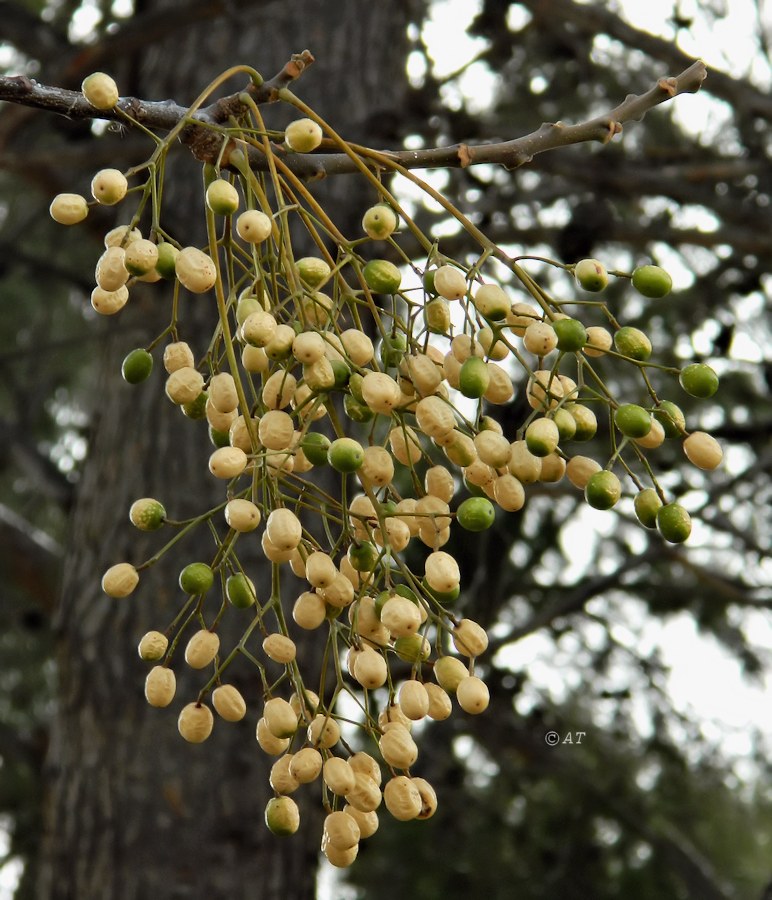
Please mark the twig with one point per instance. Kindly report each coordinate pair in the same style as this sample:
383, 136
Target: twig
165, 115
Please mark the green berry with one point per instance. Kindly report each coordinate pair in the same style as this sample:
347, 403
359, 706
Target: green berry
476, 514
647, 504
603, 490
572, 335
345, 455
222, 197
379, 222
652, 281
633, 343
363, 557
674, 523
315, 447
196, 578
393, 350
632, 420
240, 591
147, 514
671, 419
474, 377
137, 366
699, 380
382, 276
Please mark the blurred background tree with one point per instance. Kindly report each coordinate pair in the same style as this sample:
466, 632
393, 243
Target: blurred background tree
661, 797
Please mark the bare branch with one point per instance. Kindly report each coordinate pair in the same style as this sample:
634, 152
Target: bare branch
165, 115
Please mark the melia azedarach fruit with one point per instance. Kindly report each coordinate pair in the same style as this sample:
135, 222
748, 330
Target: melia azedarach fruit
420, 452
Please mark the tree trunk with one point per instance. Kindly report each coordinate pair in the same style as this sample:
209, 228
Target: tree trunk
132, 810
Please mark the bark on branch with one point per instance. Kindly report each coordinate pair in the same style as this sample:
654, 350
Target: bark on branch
165, 115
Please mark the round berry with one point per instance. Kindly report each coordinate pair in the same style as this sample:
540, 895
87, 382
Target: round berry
476, 514
137, 366
652, 281
603, 490
674, 523
591, 275
699, 380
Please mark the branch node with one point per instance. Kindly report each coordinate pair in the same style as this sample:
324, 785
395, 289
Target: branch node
465, 155
668, 85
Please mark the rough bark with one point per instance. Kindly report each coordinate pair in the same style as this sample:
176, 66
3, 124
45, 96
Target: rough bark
133, 811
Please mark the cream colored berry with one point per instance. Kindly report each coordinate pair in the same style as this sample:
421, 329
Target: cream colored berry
357, 346
401, 616
107, 303
540, 338
152, 646
279, 390
254, 359
309, 610
276, 430
450, 282
306, 765
280, 778
428, 798
202, 648
120, 580
508, 492
242, 515
303, 135
279, 648
178, 355
469, 638
229, 703
222, 392
341, 859
381, 392
500, 388
367, 821
241, 434
398, 748
338, 775
160, 686
377, 469
472, 695
366, 795
449, 671
440, 705
442, 572
68, 209
195, 722
254, 226
553, 468
227, 462
370, 668
439, 483
273, 553
402, 798
494, 348
305, 704
492, 449
100, 90
703, 450
111, 272
414, 700
109, 186
341, 830
195, 270
599, 340
308, 347
579, 469
323, 731
491, 301
405, 445
321, 571
523, 464
435, 416
268, 741
284, 529
280, 717
184, 385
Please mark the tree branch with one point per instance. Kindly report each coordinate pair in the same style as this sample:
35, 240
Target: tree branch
165, 115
